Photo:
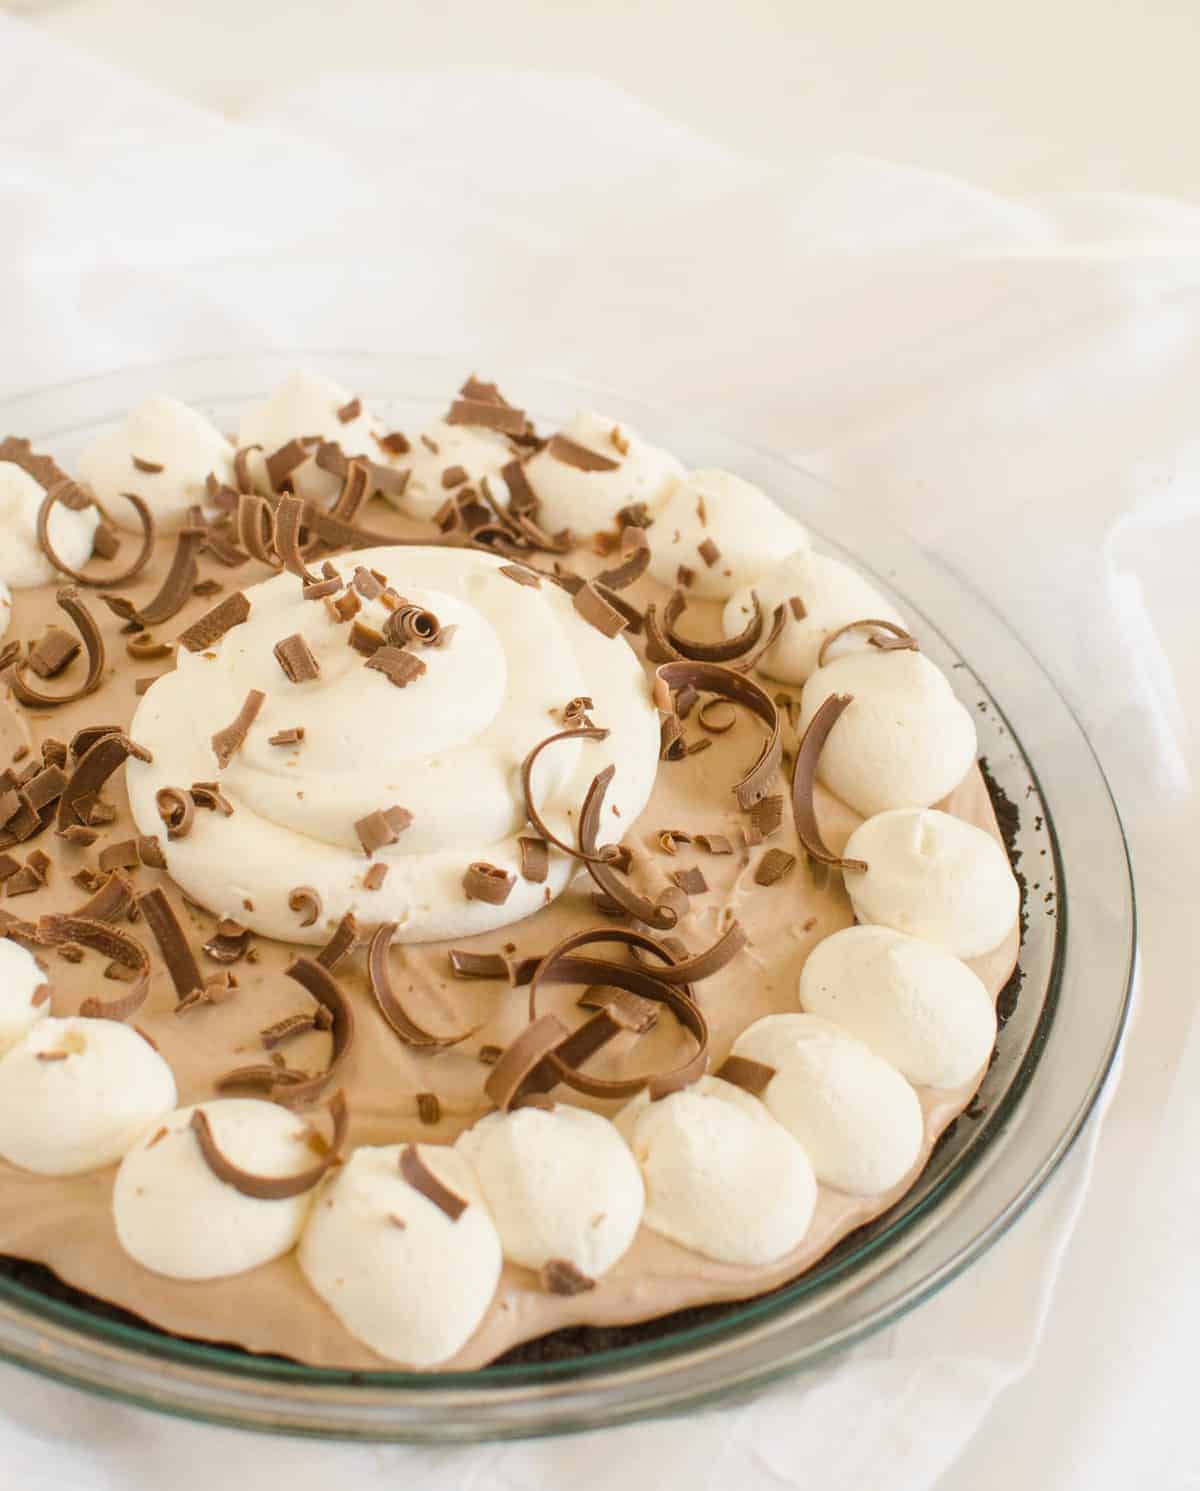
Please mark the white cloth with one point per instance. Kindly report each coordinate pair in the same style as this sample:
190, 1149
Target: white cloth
965, 364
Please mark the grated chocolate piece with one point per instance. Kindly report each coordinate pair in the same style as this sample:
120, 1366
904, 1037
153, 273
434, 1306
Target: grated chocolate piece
397, 665
691, 881
773, 866
52, 652
295, 657
213, 625
485, 882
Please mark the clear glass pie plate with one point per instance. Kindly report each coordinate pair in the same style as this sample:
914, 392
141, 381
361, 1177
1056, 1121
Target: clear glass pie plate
1054, 1050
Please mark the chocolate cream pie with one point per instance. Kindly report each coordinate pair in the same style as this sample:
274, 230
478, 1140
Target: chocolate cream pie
462, 884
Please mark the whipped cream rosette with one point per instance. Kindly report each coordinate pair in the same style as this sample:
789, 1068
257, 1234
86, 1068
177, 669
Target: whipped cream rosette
592, 468
717, 532
164, 452
417, 774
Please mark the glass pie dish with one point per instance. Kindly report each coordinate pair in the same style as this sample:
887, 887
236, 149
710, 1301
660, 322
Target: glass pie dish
1062, 1020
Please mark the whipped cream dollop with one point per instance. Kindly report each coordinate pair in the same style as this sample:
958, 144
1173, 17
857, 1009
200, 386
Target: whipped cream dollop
440, 447
722, 1177
832, 594
22, 563
76, 1094
447, 749
913, 1003
165, 434
933, 876
560, 1183
904, 742
306, 406
855, 1116
402, 1275
174, 1217
21, 1004
586, 501
723, 531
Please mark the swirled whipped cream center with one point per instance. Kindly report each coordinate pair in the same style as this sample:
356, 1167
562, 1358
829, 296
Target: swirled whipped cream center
446, 747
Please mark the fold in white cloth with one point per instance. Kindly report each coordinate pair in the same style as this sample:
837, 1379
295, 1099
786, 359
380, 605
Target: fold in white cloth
966, 365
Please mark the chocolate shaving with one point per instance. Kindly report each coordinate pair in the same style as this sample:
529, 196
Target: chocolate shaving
714, 679
390, 1007
383, 479
68, 493
167, 931
397, 665
621, 576
484, 882
177, 810
454, 476
375, 876
394, 444
535, 858
670, 742
229, 943
295, 657
415, 1171
255, 526
125, 952
151, 468
150, 852
767, 814
666, 643
45, 470
464, 964
709, 552
78, 803
209, 795
122, 856
773, 866
293, 735
282, 462
561, 1276
382, 827
319, 590
51, 653
213, 625
691, 881
227, 742
350, 411
482, 404
345, 606
804, 775
110, 903
714, 843
283, 1030
522, 1058
670, 838
521, 575
571, 453
45, 788
597, 610
895, 638
343, 941
68, 601
429, 1110
271, 1187
23, 883
706, 716
143, 648
751, 1076
306, 903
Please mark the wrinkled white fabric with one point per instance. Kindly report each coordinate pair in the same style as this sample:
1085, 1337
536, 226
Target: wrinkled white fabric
1013, 383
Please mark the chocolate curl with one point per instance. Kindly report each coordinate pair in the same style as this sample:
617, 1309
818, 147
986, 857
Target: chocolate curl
271, 1187
316, 979
119, 947
591, 732
715, 679
256, 528
582, 457
895, 638
99, 761
341, 944
740, 653
110, 903
68, 493
621, 576
68, 601
306, 903
804, 780
662, 914
177, 809
389, 1003
175, 591
560, 965
289, 516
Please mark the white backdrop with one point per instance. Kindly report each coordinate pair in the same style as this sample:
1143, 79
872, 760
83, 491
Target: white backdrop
1015, 383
